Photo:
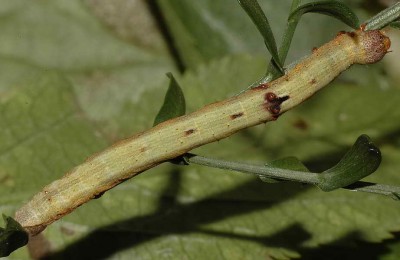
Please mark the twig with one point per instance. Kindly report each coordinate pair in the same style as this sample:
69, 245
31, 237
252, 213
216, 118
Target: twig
283, 174
267, 171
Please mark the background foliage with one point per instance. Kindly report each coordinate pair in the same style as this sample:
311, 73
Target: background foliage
75, 76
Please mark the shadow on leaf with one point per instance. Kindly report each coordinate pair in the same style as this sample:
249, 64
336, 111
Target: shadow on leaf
175, 218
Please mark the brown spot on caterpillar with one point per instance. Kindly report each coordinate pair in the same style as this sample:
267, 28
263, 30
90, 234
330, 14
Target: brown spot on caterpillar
262, 86
270, 97
275, 109
98, 195
237, 115
313, 81
340, 33
314, 49
189, 132
352, 34
282, 99
273, 103
143, 149
301, 124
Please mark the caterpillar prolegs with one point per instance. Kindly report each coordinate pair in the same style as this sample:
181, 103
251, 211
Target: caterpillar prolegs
177, 136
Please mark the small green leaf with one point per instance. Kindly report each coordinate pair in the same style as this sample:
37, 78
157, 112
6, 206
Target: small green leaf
259, 18
360, 161
395, 24
174, 102
12, 237
335, 9
288, 163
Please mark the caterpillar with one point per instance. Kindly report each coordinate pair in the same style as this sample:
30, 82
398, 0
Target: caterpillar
213, 122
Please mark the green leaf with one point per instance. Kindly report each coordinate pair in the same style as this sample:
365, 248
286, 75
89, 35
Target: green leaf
259, 18
204, 30
359, 162
288, 163
174, 102
335, 9
12, 237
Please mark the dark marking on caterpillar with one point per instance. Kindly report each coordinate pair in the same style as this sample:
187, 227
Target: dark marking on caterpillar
270, 97
189, 132
273, 103
282, 99
262, 86
352, 34
313, 81
143, 149
340, 33
275, 109
237, 115
314, 49
98, 195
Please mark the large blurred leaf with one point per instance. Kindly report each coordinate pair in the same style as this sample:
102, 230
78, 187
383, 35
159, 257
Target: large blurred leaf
53, 121
335, 9
204, 30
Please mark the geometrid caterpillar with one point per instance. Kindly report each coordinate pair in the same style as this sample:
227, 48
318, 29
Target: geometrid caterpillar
177, 136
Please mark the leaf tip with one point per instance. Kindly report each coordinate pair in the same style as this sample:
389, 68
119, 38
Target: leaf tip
12, 237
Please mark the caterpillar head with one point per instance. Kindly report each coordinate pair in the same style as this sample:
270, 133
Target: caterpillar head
375, 44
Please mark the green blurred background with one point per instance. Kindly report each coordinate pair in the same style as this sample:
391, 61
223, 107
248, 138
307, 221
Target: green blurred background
78, 75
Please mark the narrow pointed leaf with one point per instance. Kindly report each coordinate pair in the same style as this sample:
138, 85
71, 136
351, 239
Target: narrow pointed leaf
395, 24
259, 18
335, 9
12, 237
174, 103
360, 161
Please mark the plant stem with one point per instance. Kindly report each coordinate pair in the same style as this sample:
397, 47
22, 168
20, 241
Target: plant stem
383, 18
387, 190
283, 174
267, 171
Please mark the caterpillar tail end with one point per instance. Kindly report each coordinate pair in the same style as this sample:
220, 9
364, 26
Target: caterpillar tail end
23, 218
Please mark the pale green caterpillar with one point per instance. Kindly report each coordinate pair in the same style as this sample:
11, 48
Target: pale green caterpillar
177, 136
